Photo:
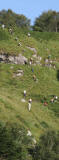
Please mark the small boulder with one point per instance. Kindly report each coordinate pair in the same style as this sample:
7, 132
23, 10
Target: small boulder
32, 49
19, 73
23, 100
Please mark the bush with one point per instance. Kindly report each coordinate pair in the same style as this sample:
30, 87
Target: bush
47, 147
13, 143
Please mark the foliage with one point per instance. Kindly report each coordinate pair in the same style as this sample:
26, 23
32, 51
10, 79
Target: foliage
48, 21
15, 145
11, 88
47, 147
11, 19
13, 142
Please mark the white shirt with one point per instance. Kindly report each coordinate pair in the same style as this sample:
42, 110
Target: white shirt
24, 91
29, 133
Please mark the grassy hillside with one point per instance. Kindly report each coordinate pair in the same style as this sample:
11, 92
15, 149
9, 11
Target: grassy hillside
12, 109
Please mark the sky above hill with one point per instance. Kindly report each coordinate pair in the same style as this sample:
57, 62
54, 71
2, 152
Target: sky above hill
30, 8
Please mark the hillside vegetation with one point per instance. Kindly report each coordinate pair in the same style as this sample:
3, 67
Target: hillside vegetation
12, 109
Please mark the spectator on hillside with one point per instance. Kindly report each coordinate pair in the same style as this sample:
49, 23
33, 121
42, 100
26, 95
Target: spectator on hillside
24, 93
29, 133
52, 100
29, 104
32, 69
3, 26
30, 61
16, 38
34, 77
11, 31
30, 100
55, 97
45, 103
29, 34
19, 44
49, 56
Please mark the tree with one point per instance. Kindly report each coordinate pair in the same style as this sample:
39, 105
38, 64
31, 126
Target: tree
13, 142
48, 21
47, 147
11, 19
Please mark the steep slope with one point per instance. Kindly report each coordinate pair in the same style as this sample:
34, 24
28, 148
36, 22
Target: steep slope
12, 109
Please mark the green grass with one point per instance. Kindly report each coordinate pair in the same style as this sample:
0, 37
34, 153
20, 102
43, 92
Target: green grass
4, 35
12, 110
11, 93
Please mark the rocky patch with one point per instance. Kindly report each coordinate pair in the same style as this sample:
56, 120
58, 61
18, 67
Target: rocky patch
13, 59
18, 73
32, 49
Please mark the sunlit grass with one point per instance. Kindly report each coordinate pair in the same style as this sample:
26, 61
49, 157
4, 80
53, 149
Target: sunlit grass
12, 110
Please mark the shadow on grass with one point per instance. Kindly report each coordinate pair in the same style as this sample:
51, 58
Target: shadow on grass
58, 75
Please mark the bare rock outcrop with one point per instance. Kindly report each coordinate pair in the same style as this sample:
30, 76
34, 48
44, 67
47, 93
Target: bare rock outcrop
13, 59
32, 49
